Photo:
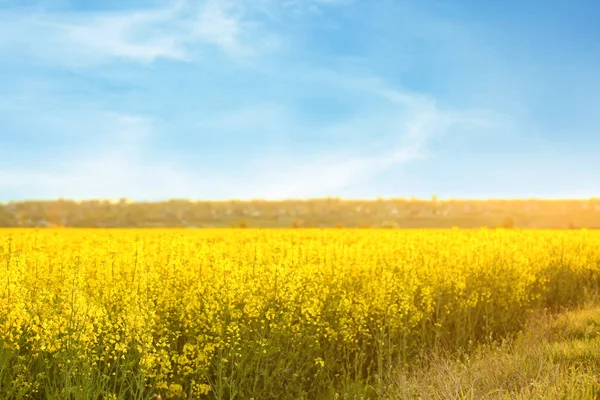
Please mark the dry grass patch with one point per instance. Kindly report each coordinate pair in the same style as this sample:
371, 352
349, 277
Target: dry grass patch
555, 357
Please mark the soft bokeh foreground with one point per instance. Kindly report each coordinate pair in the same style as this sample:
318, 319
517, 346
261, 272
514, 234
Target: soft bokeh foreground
268, 314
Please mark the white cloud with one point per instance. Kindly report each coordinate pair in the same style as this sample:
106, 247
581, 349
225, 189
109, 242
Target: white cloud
117, 168
106, 176
312, 6
174, 32
121, 168
217, 23
400, 134
324, 177
325, 174
134, 36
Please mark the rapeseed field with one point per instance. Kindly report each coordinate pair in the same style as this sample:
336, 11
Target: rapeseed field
265, 314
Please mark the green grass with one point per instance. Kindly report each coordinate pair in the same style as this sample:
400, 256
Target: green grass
555, 357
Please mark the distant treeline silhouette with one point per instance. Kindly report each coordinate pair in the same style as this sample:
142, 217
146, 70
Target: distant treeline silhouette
311, 213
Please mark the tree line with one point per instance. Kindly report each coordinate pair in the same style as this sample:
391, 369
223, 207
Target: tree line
309, 213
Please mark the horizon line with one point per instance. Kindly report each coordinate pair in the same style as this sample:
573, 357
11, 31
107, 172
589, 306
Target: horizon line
272, 199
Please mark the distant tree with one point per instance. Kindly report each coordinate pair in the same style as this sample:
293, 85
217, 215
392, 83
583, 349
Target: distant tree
241, 224
296, 224
310, 224
508, 223
389, 225
324, 212
338, 225
6, 218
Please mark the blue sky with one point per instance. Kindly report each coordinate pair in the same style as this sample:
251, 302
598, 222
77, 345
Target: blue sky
211, 99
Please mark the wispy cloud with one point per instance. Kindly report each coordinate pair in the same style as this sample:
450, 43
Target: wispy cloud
269, 98
398, 135
380, 139
407, 140
105, 176
221, 23
115, 169
175, 32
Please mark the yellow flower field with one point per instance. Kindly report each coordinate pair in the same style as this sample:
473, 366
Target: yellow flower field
264, 314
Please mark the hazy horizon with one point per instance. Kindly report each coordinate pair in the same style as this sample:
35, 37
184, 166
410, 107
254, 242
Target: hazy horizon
249, 199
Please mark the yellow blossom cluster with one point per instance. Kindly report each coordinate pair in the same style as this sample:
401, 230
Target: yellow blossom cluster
263, 313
